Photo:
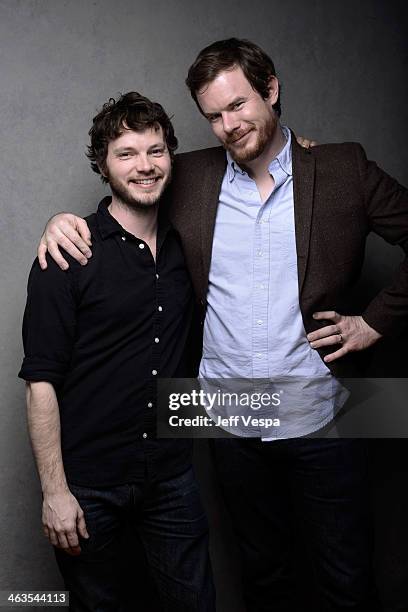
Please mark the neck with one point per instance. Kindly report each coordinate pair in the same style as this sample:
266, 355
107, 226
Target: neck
258, 167
141, 222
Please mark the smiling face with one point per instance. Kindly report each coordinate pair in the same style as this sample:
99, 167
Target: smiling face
241, 119
138, 167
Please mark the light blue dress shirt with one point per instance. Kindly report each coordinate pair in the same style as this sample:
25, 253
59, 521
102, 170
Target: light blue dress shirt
253, 327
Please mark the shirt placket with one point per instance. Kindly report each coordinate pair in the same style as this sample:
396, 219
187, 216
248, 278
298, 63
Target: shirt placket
157, 332
151, 384
260, 294
262, 278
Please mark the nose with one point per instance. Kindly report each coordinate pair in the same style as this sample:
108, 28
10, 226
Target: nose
144, 164
230, 122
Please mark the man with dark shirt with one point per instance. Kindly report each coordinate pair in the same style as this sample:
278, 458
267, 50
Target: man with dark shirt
96, 338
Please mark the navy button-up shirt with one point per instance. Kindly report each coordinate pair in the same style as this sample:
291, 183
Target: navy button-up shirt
102, 334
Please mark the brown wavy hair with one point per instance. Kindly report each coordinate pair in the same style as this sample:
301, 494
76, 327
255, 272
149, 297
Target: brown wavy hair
222, 55
131, 111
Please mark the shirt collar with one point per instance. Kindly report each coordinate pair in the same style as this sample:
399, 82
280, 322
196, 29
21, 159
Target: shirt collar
108, 225
284, 158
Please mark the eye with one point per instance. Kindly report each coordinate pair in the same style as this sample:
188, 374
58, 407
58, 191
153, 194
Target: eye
124, 155
238, 105
159, 152
213, 118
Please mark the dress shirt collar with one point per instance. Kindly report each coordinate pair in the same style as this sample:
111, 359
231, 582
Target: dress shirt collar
284, 159
108, 225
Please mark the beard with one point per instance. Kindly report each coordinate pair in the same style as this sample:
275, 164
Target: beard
147, 200
247, 153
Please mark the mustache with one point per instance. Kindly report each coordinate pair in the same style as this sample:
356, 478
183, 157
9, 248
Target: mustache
237, 135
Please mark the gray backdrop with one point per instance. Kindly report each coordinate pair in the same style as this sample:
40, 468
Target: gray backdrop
343, 70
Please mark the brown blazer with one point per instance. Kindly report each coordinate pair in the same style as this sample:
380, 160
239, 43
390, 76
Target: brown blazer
339, 197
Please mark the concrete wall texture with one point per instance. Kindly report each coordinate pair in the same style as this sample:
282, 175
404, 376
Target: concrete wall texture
343, 66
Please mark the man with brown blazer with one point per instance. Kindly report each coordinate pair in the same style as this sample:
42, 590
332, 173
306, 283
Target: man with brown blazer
274, 239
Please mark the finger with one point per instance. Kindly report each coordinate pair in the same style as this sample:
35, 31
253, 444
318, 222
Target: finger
41, 254
62, 540
335, 339
73, 552
329, 315
74, 548
66, 244
83, 532
69, 233
56, 255
313, 143
72, 539
333, 356
329, 330
52, 536
83, 230
303, 142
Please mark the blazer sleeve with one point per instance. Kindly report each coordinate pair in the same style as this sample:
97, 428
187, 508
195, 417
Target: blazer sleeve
386, 204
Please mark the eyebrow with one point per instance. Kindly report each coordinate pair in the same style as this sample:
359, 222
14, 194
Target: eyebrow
228, 107
158, 145
236, 101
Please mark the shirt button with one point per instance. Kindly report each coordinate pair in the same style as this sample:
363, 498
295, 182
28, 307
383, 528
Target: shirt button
150, 405
157, 276
123, 237
157, 340
259, 253
145, 435
259, 321
141, 245
159, 308
154, 372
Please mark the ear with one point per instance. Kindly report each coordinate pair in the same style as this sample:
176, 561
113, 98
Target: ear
273, 85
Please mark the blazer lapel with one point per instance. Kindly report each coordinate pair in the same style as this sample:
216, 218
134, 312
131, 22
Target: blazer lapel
303, 190
303, 187
212, 177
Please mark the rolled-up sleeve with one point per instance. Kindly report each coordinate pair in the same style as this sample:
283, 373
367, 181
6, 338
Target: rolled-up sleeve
49, 324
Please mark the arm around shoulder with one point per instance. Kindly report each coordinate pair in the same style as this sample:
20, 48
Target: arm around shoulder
70, 232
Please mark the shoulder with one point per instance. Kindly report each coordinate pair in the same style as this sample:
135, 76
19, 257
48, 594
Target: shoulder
93, 226
53, 276
193, 172
337, 151
199, 158
75, 268
52, 285
339, 159
53, 273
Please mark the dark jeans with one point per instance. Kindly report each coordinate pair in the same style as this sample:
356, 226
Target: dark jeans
173, 529
324, 482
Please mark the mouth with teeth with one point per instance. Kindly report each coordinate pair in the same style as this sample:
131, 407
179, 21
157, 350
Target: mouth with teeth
145, 182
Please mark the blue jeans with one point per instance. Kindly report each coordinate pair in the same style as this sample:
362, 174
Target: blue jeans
173, 529
323, 484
